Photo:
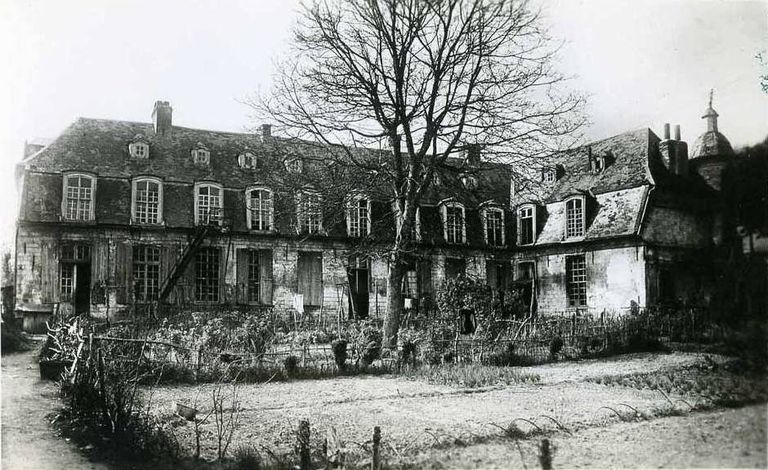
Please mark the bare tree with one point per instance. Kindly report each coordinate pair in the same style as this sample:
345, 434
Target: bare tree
426, 79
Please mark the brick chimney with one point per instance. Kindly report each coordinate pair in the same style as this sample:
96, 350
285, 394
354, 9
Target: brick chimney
473, 152
266, 132
162, 117
674, 152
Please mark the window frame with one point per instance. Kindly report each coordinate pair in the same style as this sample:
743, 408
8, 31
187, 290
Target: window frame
217, 293
247, 160
520, 217
302, 214
146, 287
352, 204
133, 149
549, 175
486, 211
65, 198
249, 210
209, 184
582, 220
444, 206
580, 300
201, 152
134, 200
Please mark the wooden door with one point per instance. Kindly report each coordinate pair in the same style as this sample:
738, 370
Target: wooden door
310, 277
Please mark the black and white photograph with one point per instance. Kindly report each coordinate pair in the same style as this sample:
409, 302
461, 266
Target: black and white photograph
383, 234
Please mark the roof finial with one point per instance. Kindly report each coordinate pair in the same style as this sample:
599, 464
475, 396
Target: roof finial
711, 94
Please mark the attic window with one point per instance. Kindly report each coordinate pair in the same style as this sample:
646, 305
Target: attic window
294, 165
201, 155
548, 175
599, 164
247, 160
469, 181
436, 179
138, 148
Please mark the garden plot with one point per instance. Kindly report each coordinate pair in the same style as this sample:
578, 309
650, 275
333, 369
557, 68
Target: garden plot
414, 415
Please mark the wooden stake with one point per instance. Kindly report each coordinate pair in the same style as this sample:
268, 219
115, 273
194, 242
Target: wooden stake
545, 455
304, 458
376, 460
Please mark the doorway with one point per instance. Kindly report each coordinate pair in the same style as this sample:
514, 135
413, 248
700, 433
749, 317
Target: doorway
359, 295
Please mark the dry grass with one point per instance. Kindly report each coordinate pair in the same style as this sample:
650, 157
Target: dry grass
471, 375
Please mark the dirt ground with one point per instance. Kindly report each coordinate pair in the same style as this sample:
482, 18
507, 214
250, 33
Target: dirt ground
29, 441
459, 428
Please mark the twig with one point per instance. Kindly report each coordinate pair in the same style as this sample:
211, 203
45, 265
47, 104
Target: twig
557, 423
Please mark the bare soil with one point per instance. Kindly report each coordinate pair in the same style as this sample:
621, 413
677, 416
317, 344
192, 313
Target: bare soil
29, 441
440, 426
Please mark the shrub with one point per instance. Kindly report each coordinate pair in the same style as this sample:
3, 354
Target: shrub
555, 346
291, 364
339, 347
247, 458
367, 337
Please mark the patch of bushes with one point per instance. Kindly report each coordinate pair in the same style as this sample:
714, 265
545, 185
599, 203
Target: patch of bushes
13, 339
339, 348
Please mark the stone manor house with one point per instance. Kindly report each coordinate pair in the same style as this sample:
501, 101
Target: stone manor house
115, 215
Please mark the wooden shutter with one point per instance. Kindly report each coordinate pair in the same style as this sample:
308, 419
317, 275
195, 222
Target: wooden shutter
425, 277
265, 276
491, 275
124, 273
49, 273
241, 278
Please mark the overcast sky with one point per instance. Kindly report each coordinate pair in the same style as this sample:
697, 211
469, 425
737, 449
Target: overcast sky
642, 63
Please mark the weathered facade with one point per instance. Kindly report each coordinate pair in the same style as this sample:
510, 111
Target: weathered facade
111, 211
115, 214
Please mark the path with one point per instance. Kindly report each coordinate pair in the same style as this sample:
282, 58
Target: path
29, 441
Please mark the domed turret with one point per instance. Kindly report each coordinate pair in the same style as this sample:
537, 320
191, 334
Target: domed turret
711, 143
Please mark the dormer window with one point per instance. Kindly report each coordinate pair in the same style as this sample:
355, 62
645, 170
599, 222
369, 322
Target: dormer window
526, 225
77, 203
201, 155
359, 216
309, 212
493, 218
469, 181
260, 212
599, 164
294, 165
247, 160
139, 148
454, 227
436, 181
575, 217
209, 203
549, 175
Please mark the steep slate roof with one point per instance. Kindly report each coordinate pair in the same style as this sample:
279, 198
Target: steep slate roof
100, 146
616, 195
618, 214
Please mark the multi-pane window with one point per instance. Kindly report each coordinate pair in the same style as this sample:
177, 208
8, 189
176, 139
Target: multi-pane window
309, 211
207, 275
78, 197
146, 201
526, 225
410, 283
208, 203
454, 223
260, 209
494, 226
146, 272
139, 150
548, 175
359, 217
254, 276
201, 155
576, 280
67, 279
247, 160
574, 217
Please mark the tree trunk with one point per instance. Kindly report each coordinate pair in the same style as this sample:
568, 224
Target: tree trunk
394, 300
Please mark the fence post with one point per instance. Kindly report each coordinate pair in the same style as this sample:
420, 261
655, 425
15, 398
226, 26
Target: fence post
376, 461
304, 457
545, 455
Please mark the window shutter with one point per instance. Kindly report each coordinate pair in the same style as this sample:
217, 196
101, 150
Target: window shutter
265, 265
425, 277
124, 273
491, 276
49, 271
541, 219
188, 281
167, 260
241, 289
